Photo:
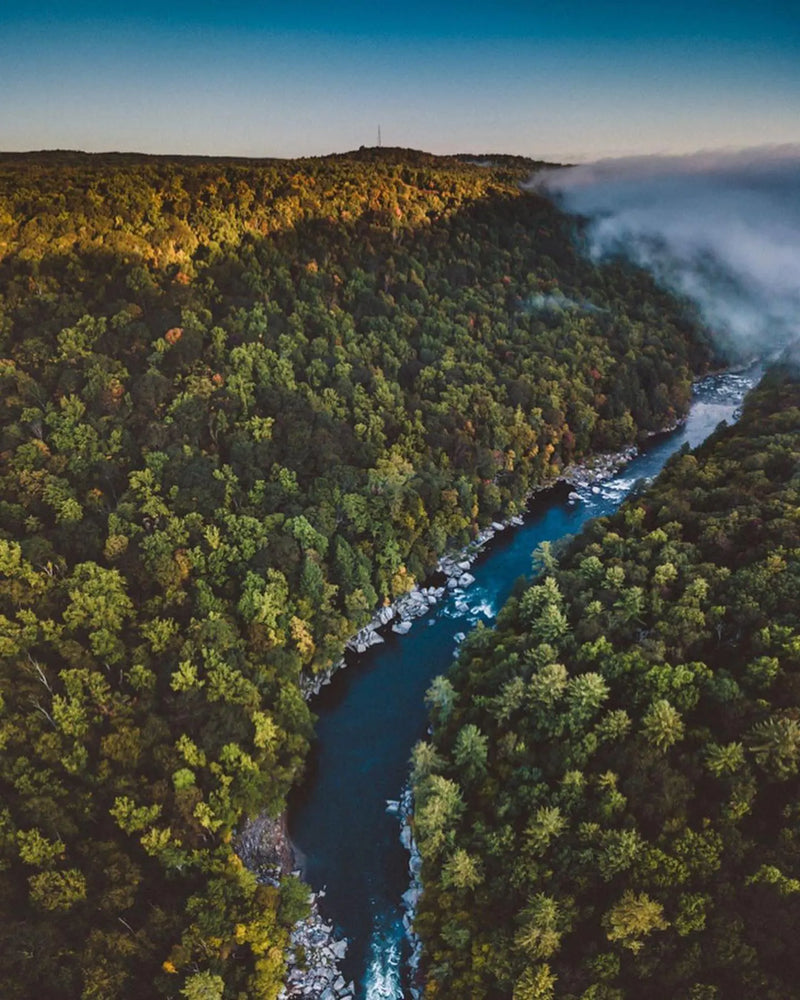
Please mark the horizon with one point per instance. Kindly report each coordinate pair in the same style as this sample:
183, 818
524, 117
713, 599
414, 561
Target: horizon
288, 157
715, 156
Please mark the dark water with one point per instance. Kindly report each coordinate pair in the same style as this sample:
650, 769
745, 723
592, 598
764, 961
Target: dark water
374, 712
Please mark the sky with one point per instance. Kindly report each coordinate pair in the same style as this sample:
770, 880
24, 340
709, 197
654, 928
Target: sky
569, 81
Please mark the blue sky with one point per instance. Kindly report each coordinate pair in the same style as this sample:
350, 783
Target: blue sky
571, 81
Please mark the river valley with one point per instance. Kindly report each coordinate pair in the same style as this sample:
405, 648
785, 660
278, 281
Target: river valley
371, 714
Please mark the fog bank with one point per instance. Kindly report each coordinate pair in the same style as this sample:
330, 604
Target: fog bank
721, 228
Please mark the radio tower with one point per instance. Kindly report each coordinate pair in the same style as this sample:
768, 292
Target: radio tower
379, 136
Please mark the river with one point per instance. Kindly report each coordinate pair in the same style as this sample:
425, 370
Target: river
372, 714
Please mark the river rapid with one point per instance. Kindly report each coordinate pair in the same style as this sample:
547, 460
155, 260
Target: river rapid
372, 714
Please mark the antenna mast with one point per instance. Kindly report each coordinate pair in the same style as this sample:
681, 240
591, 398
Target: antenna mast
379, 136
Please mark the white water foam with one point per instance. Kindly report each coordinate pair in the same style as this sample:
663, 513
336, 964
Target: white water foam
382, 981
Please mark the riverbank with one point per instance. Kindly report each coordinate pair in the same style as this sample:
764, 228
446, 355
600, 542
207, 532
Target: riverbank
313, 960
315, 953
411, 896
454, 568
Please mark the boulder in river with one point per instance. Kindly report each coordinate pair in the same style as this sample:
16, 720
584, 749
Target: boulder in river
385, 615
364, 639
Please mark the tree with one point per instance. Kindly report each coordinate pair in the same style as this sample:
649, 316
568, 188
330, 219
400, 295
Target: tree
540, 935
462, 871
425, 760
440, 696
547, 824
585, 694
775, 744
726, 759
470, 752
439, 806
58, 890
535, 983
203, 986
662, 725
100, 606
633, 918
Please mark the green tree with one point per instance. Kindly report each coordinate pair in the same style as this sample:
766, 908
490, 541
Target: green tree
632, 918
662, 725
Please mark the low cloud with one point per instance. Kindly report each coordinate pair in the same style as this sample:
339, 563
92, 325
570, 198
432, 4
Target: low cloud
722, 229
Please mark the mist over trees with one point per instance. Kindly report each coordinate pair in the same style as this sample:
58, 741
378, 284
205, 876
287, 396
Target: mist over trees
721, 228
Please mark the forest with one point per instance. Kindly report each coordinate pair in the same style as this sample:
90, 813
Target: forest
608, 805
244, 404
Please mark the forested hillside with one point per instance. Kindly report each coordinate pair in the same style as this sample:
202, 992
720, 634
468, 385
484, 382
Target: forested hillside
243, 404
608, 808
